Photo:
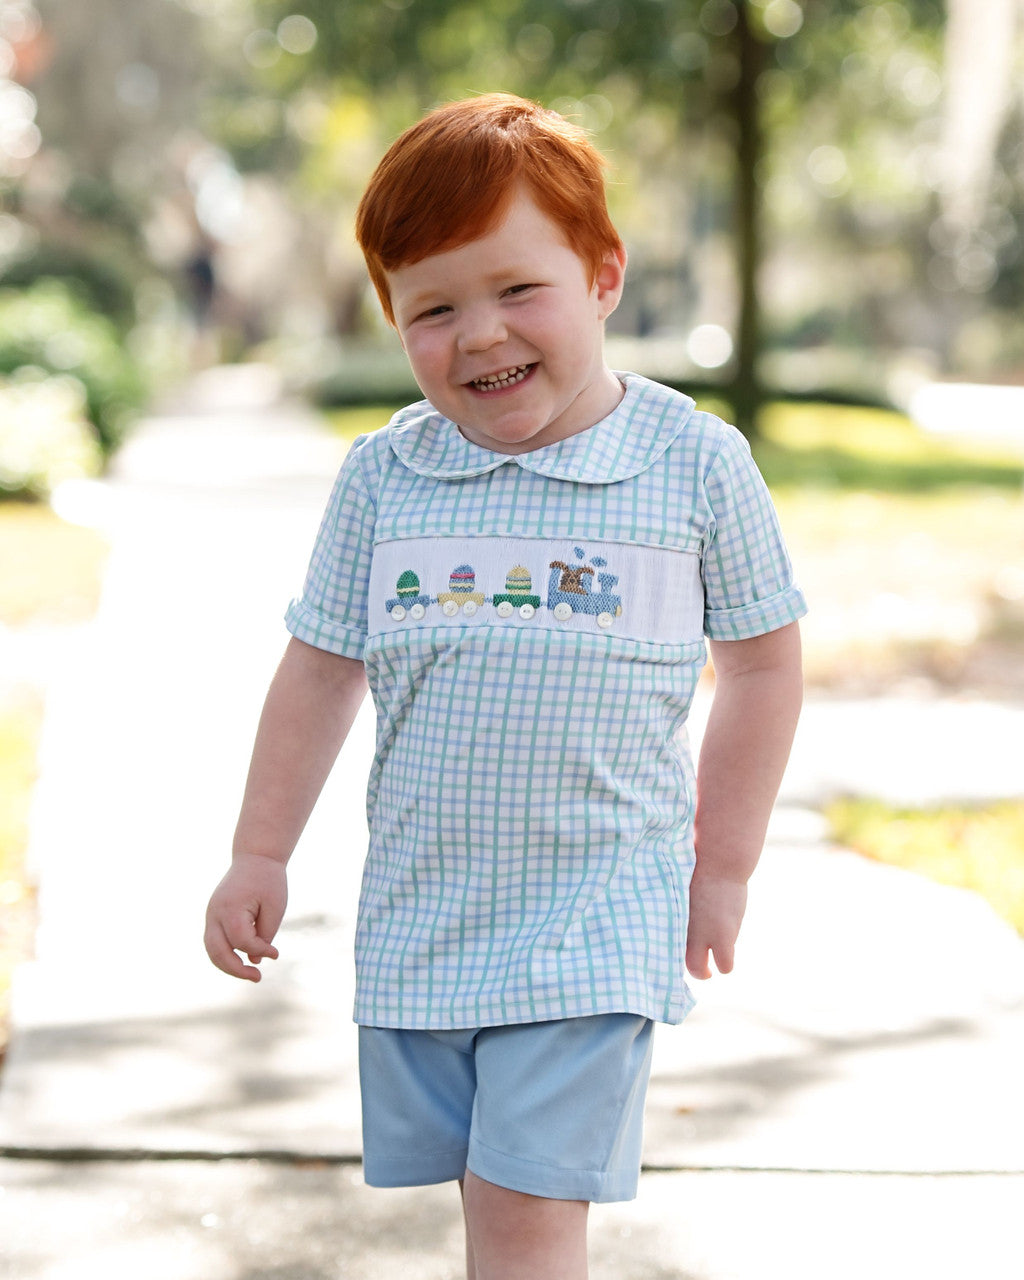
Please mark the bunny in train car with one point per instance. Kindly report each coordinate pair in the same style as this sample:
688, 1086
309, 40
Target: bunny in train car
571, 590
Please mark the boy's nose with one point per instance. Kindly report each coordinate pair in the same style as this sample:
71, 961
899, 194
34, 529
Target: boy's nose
481, 329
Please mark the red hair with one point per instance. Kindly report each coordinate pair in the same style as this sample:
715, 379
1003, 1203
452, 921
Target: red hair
449, 179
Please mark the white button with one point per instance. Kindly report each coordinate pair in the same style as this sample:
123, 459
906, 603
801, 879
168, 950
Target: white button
604, 619
505, 609
563, 611
449, 608
417, 611
398, 613
526, 611
469, 608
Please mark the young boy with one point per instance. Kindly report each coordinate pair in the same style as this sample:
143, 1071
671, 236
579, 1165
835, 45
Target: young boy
524, 566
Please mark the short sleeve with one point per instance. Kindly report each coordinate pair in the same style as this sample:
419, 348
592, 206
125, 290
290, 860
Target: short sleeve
331, 613
748, 578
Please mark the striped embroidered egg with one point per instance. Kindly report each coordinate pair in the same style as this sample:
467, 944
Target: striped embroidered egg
462, 579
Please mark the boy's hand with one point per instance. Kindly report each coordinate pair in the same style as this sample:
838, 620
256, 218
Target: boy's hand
716, 913
245, 913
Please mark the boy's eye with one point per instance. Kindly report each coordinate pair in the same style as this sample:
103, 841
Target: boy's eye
518, 288
431, 312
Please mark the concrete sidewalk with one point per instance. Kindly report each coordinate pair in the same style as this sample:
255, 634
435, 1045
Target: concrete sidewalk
848, 1100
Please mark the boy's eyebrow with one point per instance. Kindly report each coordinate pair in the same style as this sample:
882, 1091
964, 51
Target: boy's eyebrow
511, 273
414, 303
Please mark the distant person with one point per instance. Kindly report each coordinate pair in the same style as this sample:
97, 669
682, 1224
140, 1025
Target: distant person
524, 566
200, 281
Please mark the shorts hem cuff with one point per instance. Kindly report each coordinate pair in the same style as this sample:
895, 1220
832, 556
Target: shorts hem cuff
548, 1181
415, 1171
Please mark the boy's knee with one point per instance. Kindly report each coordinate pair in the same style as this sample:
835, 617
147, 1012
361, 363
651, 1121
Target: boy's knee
518, 1220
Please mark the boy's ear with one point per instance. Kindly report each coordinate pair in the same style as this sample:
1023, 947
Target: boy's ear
610, 278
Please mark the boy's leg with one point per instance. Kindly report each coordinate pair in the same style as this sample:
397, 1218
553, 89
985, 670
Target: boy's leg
470, 1260
514, 1236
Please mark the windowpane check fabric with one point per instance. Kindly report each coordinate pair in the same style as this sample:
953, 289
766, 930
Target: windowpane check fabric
533, 630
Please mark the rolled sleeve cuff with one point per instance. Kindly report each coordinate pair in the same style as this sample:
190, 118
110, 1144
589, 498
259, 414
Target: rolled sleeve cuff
314, 629
757, 618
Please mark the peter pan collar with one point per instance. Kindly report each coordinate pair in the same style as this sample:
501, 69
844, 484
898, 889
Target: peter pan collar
630, 440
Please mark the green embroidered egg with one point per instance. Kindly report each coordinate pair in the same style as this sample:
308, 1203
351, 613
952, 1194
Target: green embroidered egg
408, 584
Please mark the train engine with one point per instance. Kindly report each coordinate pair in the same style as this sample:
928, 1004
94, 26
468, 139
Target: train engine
571, 590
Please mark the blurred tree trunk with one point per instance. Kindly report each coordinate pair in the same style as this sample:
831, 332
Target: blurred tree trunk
976, 105
747, 391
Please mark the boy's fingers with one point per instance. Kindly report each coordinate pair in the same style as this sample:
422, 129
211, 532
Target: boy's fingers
698, 959
223, 955
724, 959
249, 941
697, 962
223, 947
242, 932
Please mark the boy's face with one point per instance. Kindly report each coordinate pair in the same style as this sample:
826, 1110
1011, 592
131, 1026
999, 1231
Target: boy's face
505, 334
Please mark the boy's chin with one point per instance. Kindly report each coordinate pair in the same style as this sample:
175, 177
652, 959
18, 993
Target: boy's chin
495, 443
515, 437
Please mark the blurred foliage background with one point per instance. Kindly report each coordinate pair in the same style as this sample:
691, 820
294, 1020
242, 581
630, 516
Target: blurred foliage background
820, 197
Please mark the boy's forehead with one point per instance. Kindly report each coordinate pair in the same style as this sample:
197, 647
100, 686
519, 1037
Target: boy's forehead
518, 232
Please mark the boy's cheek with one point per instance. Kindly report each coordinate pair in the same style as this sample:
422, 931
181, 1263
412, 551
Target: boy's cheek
422, 356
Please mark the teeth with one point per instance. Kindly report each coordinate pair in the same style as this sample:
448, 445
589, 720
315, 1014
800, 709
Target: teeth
507, 378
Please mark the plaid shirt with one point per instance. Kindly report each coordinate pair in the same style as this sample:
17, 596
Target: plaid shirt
533, 629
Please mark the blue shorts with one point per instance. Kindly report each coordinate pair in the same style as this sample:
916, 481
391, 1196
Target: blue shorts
552, 1109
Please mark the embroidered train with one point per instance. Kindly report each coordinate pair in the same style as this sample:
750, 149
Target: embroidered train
570, 590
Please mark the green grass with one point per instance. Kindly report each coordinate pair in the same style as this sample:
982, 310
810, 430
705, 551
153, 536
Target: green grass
843, 447
969, 848
357, 421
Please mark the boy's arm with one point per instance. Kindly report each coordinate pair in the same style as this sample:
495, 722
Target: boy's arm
758, 691
312, 702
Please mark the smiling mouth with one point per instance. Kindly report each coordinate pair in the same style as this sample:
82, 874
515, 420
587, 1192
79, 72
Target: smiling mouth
500, 381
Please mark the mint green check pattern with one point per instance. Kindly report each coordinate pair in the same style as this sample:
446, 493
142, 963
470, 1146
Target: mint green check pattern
531, 798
